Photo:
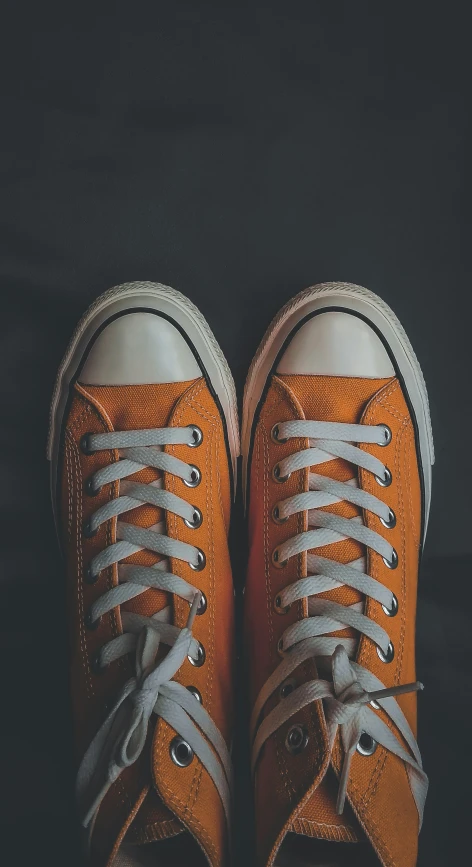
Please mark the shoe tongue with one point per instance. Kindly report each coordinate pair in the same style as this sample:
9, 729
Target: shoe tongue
139, 407
338, 399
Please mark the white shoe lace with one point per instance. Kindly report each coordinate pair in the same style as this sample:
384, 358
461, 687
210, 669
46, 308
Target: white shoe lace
347, 695
122, 737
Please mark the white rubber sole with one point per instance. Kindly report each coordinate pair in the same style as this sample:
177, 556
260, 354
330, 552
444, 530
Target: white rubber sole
170, 302
368, 305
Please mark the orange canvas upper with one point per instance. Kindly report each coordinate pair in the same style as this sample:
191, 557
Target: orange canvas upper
298, 792
152, 799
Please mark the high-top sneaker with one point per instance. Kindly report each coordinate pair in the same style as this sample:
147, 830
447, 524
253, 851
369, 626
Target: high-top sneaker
143, 445
337, 450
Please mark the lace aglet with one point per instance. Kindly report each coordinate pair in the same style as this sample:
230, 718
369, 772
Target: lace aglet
394, 690
341, 800
342, 791
194, 608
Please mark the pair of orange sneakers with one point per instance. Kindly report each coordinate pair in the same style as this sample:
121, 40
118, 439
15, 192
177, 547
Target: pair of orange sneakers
337, 453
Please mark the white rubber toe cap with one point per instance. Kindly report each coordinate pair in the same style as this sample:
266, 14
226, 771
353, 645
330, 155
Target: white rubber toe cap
136, 349
336, 344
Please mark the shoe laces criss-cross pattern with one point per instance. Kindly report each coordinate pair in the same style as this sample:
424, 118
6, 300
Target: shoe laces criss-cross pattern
352, 688
122, 737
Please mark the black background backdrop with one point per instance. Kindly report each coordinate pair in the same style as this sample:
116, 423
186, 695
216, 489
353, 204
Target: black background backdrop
238, 152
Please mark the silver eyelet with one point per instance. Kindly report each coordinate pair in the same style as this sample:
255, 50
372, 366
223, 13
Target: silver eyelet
393, 563
85, 447
391, 521
197, 519
181, 752
89, 488
278, 607
296, 740
280, 647
92, 624
87, 530
386, 657
197, 436
195, 692
196, 477
202, 607
276, 516
393, 610
387, 479
274, 435
89, 576
277, 477
279, 564
201, 561
95, 664
201, 656
387, 434
366, 745
287, 687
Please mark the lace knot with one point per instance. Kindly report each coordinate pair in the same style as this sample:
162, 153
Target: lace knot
143, 700
131, 714
347, 710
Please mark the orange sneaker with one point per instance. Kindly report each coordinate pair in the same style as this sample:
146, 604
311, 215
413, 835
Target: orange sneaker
143, 445
337, 450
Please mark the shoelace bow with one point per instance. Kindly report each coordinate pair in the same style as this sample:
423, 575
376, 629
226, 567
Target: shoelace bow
347, 697
122, 736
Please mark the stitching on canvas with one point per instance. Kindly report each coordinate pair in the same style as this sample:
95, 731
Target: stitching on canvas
343, 833
80, 566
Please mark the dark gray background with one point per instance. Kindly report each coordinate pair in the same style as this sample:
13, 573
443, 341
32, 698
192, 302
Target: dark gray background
238, 152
